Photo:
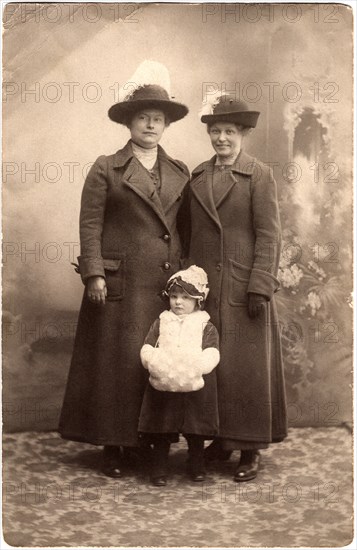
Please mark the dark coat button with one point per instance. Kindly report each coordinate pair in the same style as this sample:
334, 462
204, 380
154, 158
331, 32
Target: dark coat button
167, 266
219, 267
166, 237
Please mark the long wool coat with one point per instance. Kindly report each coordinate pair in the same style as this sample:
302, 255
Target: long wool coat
129, 235
236, 239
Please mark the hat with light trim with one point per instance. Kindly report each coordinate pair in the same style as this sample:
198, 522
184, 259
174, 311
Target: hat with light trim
193, 281
148, 88
221, 107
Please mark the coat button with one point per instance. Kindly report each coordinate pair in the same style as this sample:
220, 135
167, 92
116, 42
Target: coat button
166, 266
166, 238
219, 267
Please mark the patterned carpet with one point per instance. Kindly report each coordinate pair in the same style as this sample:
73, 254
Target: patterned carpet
54, 495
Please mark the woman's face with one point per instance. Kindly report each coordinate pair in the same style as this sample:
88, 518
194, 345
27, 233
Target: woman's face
147, 127
226, 139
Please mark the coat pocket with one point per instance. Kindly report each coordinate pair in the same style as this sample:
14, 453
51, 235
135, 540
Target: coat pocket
115, 278
238, 280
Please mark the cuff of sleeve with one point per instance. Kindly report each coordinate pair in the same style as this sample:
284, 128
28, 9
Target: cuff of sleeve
90, 267
262, 282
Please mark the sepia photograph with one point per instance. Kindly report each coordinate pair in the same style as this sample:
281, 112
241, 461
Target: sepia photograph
177, 275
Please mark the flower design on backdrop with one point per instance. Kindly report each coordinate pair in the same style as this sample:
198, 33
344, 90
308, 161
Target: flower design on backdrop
315, 297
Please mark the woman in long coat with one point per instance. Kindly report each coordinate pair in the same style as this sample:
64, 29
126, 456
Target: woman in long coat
130, 245
236, 238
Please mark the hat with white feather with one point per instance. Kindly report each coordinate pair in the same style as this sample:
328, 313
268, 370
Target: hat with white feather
148, 88
223, 107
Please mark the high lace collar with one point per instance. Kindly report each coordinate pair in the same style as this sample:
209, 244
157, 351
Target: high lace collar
147, 157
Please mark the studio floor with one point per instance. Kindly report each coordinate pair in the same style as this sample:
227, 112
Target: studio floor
55, 495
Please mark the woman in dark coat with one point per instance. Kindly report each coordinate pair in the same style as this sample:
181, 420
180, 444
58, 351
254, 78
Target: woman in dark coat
130, 245
236, 239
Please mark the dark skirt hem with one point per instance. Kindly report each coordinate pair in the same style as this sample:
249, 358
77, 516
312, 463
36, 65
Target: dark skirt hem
95, 441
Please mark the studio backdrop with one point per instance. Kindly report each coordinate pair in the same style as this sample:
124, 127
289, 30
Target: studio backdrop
65, 65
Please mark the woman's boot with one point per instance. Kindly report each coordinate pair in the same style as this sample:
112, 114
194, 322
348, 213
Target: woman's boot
248, 465
112, 458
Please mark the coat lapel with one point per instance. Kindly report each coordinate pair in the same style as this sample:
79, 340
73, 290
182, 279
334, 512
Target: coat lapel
202, 189
135, 176
138, 179
173, 181
229, 182
244, 165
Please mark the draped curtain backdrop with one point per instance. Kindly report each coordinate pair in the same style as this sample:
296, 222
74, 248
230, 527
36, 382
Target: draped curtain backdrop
63, 67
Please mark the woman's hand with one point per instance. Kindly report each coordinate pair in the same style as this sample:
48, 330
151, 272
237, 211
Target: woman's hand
255, 304
96, 290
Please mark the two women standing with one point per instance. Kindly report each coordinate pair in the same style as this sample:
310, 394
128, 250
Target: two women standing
133, 222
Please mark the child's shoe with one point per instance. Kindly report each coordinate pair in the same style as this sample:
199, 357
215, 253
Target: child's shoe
196, 463
196, 470
160, 454
159, 480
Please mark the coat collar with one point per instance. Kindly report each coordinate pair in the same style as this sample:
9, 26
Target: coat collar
243, 165
122, 156
173, 179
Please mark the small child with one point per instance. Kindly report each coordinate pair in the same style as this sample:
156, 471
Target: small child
181, 346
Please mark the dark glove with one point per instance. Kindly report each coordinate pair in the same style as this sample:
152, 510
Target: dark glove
255, 304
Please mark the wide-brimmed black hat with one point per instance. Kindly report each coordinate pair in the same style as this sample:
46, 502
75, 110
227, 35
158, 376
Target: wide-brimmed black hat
149, 96
228, 109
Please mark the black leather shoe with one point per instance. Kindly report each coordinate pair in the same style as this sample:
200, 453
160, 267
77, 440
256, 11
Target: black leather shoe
111, 466
248, 466
159, 463
214, 451
111, 471
159, 481
198, 476
195, 469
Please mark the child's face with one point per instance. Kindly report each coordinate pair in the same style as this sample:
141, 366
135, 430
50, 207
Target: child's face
181, 303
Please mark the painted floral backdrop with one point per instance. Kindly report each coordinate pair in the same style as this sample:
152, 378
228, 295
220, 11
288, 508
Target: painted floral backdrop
315, 301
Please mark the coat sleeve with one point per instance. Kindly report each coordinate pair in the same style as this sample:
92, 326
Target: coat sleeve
94, 196
148, 349
210, 338
266, 221
210, 349
153, 334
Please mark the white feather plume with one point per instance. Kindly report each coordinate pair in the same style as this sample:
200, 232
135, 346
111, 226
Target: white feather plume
148, 72
209, 102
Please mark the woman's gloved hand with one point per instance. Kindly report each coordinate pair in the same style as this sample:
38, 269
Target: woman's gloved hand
255, 304
96, 290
